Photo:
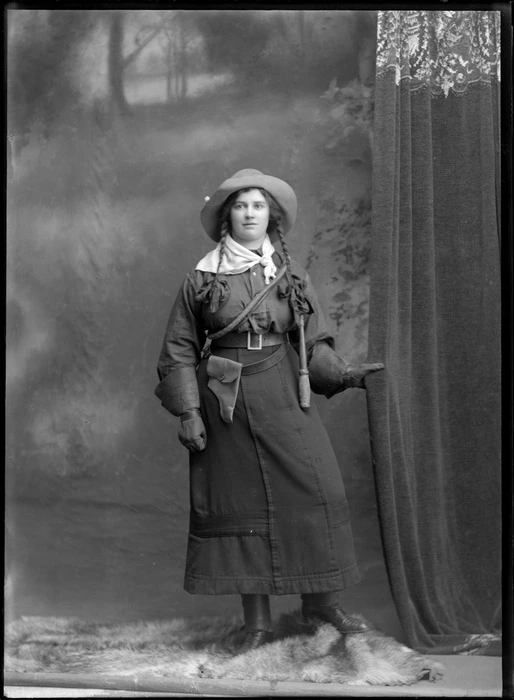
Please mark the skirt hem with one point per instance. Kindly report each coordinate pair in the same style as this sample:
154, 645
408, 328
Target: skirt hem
214, 586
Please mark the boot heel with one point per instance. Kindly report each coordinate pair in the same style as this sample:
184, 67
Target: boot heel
253, 640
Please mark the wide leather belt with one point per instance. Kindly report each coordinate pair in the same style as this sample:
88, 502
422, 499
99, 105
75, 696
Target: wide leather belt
249, 340
268, 362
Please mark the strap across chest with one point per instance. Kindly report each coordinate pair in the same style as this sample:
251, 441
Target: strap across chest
258, 298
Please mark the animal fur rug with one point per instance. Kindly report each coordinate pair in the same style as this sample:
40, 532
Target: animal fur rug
204, 648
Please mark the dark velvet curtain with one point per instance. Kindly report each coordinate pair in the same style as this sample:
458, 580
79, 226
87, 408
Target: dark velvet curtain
435, 322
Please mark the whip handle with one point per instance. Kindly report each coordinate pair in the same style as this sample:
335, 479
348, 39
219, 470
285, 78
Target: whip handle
304, 384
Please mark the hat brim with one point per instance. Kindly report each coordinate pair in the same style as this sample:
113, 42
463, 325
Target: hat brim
279, 189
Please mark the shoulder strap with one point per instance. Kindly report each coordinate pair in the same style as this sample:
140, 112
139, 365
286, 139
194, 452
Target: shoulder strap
251, 306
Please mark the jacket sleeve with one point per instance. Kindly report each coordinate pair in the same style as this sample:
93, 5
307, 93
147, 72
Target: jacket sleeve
180, 353
326, 367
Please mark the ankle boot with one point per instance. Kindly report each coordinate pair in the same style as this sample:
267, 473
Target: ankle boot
324, 606
257, 618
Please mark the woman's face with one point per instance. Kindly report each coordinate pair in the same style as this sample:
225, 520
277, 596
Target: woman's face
249, 218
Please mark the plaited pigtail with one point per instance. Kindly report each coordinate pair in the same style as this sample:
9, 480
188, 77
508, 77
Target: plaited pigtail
295, 292
216, 288
285, 250
223, 242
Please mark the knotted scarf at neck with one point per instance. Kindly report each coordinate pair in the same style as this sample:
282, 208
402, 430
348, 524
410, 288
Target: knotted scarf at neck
236, 259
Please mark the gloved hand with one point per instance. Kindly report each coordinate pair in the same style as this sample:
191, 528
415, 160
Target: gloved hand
191, 432
354, 378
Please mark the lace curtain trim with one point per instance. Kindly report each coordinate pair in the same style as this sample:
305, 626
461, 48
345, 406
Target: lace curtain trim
444, 50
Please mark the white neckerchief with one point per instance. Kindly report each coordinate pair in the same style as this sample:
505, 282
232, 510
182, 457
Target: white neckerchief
238, 259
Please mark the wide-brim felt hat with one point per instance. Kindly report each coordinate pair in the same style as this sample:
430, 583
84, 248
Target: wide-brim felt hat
279, 189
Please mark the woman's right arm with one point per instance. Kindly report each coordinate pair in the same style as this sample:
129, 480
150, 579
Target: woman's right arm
180, 354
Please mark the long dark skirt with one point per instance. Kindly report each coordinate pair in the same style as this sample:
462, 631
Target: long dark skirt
268, 506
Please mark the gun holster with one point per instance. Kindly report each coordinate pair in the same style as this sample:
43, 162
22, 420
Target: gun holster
224, 377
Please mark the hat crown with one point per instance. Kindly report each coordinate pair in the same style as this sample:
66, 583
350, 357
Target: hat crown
247, 172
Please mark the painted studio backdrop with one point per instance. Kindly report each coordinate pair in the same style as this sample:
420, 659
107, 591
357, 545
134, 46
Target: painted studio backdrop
120, 123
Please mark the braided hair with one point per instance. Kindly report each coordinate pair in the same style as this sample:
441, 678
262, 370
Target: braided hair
285, 250
224, 232
224, 228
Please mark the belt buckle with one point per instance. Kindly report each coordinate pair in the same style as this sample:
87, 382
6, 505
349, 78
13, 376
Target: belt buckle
249, 345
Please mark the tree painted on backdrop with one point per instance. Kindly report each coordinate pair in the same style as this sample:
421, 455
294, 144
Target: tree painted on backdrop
341, 242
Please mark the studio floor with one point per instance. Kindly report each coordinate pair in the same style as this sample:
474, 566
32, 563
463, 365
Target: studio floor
465, 676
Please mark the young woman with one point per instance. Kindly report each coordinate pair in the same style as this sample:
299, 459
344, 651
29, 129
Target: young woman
269, 513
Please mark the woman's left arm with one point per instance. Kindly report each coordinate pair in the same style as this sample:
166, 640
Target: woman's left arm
329, 373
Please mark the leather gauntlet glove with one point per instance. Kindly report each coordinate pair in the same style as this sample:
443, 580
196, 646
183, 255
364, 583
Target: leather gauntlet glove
354, 378
191, 432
